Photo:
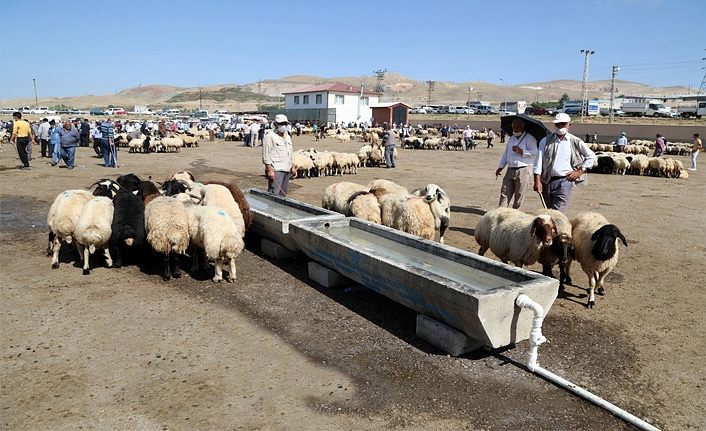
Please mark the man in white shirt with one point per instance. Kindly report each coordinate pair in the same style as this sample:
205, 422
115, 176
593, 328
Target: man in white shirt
561, 160
468, 139
621, 143
277, 157
246, 134
43, 135
254, 131
519, 156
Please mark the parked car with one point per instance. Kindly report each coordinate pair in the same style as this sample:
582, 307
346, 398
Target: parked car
7, 110
616, 112
26, 109
531, 110
504, 112
115, 111
485, 110
96, 111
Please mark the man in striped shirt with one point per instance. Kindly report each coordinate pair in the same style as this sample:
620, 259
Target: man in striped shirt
107, 136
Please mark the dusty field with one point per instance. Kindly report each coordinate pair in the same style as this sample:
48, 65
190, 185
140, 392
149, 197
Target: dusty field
120, 349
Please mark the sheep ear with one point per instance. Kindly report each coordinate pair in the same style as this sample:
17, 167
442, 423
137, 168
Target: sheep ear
534, 226
622, 238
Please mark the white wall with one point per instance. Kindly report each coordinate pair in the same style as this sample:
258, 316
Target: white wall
349, 110
289, 101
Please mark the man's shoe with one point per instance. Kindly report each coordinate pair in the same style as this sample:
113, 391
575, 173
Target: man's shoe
25, 168
692, 169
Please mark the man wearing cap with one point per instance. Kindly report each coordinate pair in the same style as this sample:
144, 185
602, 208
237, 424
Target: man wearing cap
561, 161
277, 157
621, 143
388, 140
519, 155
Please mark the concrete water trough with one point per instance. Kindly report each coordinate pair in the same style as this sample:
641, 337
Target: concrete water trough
272, 215
462, 292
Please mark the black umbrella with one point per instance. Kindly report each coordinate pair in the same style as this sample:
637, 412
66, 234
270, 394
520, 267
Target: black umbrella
532, 126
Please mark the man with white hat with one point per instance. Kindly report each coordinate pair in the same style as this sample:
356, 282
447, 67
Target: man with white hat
277, 157
561, 162
621, 143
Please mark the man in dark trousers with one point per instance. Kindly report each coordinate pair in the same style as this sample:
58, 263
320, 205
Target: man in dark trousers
84, 132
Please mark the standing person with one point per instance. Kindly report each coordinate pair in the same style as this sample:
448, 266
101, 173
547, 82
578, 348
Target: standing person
277, 157
445, 131
254, 133
502, 136
21, 137
491, 136
246, 134
595, 138
35, 133
660, 146
698, 146
621, 143
468, 139
43, 133
107, 144
97, 139
315, 131
261, 132
69, 138
561, 160
388, 140
85, 132
55, 142
519, 156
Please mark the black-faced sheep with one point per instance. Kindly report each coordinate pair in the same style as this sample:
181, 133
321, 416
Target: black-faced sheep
514, 236
93, 229
559, 251
128, 227
167, 228
595, 244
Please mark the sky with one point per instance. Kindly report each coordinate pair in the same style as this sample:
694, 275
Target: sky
98, 47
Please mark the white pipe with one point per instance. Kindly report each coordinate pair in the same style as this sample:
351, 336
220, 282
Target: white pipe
536, 338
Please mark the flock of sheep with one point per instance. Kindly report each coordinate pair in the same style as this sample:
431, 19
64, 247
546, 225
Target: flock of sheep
422, 212
312, 163
549, 237
151, 144
122, 217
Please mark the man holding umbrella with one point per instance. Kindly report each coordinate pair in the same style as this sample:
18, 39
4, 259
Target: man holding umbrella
561, 161
518, 156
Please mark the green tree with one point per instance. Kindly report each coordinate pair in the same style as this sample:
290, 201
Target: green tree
564, 98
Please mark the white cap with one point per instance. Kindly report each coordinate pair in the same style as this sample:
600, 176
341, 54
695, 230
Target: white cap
562, 118
281, 118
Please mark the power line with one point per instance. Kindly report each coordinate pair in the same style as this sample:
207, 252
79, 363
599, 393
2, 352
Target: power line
380, 87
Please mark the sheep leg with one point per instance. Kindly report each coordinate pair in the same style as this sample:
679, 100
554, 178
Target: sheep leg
86, 254
232, 274
195, 260
50, 243
56, 247
563, 278
547, 270
482, 250
176, 272
591, 289
108, 259
219, 271
601, 278
166, 273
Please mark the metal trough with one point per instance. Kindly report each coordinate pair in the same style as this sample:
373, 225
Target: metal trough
470, 293
272, 215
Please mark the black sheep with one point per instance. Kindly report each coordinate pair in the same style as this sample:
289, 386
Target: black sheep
606, 165
129, 182
128, 227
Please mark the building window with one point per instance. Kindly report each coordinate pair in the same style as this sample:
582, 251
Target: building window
364, 101
339, 99
318, 99
306, 99
296, 100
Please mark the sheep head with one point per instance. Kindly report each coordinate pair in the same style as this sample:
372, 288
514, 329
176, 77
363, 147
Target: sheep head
544, 229
106, 187
173, 187
430, 192
605, 243
184, 176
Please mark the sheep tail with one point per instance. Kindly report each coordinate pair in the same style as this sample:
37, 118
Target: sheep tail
231, 246
68, 239
91, 248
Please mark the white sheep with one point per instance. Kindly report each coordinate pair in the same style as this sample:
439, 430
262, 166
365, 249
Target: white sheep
381, 187
639, 164
213, 232
514, 236
366, 206
415, 214
172, 144
62, 218
303, 164
216, 195
167, 228
364, 155
431, 193
335, 197
595, 244
93, 229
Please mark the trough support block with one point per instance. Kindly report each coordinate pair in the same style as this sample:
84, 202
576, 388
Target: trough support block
275, 251
444, 337
327, 277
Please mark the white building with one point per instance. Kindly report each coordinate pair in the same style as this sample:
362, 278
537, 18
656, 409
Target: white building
332, 102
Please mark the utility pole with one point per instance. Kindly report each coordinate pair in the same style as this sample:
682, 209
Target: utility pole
612, 92
36, 103
584, 89
200, 107
380, 88
360, 98
430, 88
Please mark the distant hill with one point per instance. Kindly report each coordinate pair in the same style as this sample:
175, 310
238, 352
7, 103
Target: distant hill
248, 96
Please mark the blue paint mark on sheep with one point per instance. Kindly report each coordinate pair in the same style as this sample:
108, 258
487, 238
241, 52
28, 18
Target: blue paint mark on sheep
221, 213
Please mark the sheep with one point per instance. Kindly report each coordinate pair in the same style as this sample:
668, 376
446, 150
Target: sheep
239, 199
432, 193
303, 164
366, 206
62, 218
189, 140
343, 137
213, 232
128, 226
621, 165
376, 157
129, 182
514, 236
381, 187
639, 164
219, 196
167, 228
595, 243
657, 166
335, 197
172, 143
93, 229
560, 249
364, 155
415, 215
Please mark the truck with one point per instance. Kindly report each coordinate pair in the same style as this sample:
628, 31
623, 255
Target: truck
698, 110
646, 109
143, 110
516, 107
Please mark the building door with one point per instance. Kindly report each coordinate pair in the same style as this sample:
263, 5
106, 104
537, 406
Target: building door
399, 114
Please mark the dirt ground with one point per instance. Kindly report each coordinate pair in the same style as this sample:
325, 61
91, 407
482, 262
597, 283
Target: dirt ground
121, 349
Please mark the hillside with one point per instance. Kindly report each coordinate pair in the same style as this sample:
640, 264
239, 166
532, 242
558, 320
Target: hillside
398, 87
